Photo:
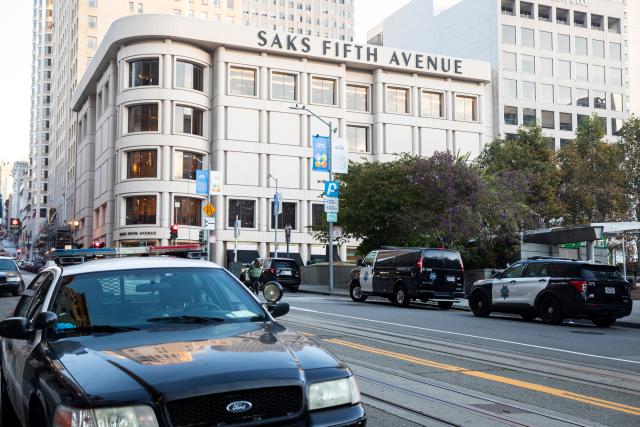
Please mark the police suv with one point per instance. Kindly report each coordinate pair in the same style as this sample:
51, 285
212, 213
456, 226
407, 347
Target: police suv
555, 289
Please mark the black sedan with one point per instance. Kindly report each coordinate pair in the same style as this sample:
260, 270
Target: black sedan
151, 342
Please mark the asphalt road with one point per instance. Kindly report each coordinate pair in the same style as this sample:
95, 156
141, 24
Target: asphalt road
432, 367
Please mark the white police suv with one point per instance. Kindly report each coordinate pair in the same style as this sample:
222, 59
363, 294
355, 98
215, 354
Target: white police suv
555, 289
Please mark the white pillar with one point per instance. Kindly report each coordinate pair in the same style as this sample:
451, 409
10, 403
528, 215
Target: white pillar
263, 171
343, 252
304, 84
263, 214
378, 110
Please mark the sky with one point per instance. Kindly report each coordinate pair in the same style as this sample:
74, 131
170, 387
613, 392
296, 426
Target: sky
15, 72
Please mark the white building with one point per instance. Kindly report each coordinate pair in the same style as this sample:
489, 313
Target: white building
632, 53
165, 94
553, 61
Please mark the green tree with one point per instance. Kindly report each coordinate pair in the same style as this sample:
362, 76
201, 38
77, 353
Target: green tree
530, 156
593, 187
630, 140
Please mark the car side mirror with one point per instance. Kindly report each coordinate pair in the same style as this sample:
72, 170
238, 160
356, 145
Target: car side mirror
279, 309
496, 274
359, 263
44, 320
15, 328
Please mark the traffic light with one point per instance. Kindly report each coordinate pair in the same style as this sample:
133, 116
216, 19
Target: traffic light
98, 245
202, 237
173, 232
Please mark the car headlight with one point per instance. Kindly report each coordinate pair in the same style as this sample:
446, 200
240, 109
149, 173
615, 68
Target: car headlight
334, 393
126, 416
12, 277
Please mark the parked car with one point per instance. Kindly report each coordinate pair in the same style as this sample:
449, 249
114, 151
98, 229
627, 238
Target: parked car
163, 342
405, 274
282, 270
555, 289
10, 276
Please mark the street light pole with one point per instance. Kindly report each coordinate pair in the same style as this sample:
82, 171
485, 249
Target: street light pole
207, 233
276, 206
331, 131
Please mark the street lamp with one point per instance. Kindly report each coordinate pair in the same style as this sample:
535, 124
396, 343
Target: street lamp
331, 132
75, 224
276, 205
204, 228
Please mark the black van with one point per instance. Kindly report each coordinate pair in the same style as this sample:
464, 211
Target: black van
404, 274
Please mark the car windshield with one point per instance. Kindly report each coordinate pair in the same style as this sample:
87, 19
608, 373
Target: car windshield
111, 301
7, 264
594, 272
284, 265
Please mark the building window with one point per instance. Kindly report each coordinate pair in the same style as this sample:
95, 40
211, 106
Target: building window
509, 61
528, 64
544, 13
317, 213
140, 210
546, 93
616, 102
511, 115
189, 76
616, 125
526, 10
529, 116
466, 108
566, 121
323, 91
564, 142
597, 72
357, 98
529, 91
508, 34
397, 100
614, 25
92, 22
597, 22
142, 164
564, 95
615, 51
143, 118
185, 165
188, 120
580, 19
562, 16
548, 119
188, 211
432, 104
564, 43
527, 37
546, 40
92, 3
614, 76
144, 72
564, 69
283, 86
580, 119
582, 72
599, 100
581, 46
358, 138
287, 217
546, 67
582, 97
597, 47
603, 123
92, 42
242, 81
245, 210
510, 89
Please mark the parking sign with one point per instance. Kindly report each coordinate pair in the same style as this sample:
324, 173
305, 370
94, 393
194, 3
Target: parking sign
331, 189
332, 217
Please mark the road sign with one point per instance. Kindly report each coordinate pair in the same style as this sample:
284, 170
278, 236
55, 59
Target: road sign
209, 223
202, 182
277, 203
331, 204
332, 217
209, 209
337, 231
331, 189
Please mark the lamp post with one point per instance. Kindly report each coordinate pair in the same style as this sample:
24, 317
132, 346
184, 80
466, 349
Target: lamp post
331, 132
75, 224
204, 228
276, 206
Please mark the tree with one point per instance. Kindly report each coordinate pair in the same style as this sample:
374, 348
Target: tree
593, 183
630, 140
531, 158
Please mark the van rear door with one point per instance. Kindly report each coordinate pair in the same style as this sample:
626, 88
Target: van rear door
453, 270
432, 275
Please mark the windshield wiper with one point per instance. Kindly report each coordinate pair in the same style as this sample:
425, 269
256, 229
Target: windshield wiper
99, 328
187, 319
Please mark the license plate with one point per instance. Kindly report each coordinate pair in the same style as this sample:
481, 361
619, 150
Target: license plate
610, 291
285, 273
451, 278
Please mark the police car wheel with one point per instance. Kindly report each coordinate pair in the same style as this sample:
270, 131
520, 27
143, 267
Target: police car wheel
604, 322
445, 305
550, 311
400, 296
355, 292
479, 305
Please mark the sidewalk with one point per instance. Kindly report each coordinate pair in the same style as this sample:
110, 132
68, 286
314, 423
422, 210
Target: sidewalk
632, 321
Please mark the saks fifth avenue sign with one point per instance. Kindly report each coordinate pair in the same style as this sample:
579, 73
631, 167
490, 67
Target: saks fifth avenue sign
574, 2
333, 49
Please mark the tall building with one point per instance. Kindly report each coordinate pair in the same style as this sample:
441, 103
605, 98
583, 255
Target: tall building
20, 174
554, 62
632, 54
79, 26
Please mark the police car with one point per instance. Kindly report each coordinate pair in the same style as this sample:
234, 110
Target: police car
162, 341
555, 289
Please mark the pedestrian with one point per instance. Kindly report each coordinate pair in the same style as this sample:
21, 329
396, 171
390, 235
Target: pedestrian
254, 275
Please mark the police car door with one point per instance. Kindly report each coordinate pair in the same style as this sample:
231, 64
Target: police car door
366, 272
505, 289
536, 278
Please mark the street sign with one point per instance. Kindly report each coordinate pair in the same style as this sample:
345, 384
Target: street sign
331, 204
332, 217
339, 156
209, 209
202, 182
209, 223
331, 188
236, 228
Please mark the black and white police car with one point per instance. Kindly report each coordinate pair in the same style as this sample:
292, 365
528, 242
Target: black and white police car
555, 289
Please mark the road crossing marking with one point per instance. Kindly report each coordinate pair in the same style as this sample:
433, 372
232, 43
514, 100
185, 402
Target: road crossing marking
633, 410
460, 334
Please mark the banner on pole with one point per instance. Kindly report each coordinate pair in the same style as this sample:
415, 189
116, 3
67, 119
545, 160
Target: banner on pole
340, 155
202, 182
320, 154
215, 183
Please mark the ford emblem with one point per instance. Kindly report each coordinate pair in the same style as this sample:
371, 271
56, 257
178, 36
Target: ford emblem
239, 406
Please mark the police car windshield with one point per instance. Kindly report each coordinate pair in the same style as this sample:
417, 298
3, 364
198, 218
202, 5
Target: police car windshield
7, 265
138, 298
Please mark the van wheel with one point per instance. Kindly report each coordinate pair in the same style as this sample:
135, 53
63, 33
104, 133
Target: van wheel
604, 322
445, 305
355, 292
479, 304
400, 296
550, 311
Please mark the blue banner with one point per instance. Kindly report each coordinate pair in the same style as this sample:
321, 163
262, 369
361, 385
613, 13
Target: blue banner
321, 154
202, 182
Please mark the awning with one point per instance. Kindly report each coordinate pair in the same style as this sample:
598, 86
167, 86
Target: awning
556, 236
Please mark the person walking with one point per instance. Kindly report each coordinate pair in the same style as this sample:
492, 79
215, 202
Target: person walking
254, 274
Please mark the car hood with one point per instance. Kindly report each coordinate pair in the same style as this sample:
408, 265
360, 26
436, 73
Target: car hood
180, 360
